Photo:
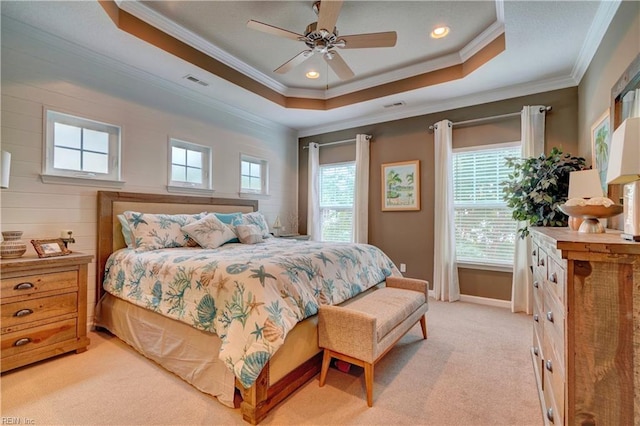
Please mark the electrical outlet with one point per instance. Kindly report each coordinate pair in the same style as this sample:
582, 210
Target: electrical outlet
403, 267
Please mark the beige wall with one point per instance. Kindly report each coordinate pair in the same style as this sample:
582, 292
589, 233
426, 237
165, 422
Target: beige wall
407, 237
35, 75
619, 46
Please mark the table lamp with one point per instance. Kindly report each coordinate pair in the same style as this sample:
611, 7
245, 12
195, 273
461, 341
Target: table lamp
585, 204
624, 168
6, 168
277, 225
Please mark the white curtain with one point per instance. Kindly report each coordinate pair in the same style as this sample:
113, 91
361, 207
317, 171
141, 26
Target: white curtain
313, 193
532, 139
445, 267
631, 104
361, 198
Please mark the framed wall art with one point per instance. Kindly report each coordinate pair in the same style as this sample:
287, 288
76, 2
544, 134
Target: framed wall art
401, 186
50, 248
600, 141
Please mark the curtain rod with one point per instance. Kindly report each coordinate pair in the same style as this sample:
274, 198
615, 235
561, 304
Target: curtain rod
494, 117
336, 142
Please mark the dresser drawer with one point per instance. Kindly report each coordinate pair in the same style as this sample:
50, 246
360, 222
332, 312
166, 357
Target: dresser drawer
554, 401
23, 341
31, 310
33, 284
556, 279
540, 265
553, 323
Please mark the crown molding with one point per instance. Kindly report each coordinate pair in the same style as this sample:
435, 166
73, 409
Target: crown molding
604, 15
455, 103
157, 20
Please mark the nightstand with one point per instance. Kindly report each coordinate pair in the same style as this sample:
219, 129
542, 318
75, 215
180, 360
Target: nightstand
295, 237
44, 308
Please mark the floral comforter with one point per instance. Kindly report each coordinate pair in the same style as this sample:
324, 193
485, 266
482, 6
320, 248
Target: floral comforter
251, 296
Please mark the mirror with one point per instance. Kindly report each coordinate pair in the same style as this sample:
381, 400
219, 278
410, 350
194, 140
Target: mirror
624, 92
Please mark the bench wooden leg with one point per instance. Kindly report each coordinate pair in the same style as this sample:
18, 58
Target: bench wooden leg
368, 380
423, 324
326, 360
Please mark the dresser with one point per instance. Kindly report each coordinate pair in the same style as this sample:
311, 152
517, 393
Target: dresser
586, 327
43, 308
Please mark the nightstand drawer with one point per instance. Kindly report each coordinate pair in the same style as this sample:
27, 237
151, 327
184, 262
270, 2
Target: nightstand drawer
32, 284
38, 309
34, 338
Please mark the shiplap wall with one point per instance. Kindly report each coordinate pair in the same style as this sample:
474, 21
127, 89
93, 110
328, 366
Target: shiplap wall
36, 73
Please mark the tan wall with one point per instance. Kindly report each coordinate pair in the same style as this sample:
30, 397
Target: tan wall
619, 46
407, 237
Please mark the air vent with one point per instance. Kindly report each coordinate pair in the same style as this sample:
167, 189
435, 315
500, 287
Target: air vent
196, 80
394, 105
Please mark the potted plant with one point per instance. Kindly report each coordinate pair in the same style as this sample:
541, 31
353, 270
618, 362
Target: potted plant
537, 185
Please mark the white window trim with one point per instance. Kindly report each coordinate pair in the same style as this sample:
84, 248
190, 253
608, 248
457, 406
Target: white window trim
186, 187
50, 174
264, 178
485, 266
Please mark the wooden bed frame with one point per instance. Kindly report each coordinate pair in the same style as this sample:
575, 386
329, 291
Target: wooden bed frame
259, 399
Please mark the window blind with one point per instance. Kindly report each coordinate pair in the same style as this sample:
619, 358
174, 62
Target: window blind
485, 230
337, 188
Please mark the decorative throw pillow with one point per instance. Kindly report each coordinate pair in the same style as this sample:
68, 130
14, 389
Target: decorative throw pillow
257, 218
209, 232
231, 219
249, 234
126, 231
156, 231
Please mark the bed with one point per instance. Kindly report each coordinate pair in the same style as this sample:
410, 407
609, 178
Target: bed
251, 338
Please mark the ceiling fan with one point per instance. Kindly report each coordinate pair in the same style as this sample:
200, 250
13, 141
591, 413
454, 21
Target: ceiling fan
322, 37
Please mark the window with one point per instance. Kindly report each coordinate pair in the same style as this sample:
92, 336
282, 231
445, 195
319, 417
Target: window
253, 175
189, 165
80, 148
485, 230
337, 188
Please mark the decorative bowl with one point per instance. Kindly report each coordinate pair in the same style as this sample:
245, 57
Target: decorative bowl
591, 214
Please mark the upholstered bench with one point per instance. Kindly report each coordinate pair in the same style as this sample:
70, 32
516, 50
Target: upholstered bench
364, 330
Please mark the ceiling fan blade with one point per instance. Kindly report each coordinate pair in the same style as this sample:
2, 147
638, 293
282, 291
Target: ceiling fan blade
386, 39
328, 14
339, 66
293, 62
270, 29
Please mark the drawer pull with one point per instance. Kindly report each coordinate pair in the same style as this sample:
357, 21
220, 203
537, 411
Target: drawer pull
541, 263
22, 342
550, 316
536, 318
535, 284
550, 414
553, 278
533, 253
24, 286
536, 351
549, 365
23, 313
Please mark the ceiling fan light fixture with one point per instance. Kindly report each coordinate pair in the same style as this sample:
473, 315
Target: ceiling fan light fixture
312, 74
440, 32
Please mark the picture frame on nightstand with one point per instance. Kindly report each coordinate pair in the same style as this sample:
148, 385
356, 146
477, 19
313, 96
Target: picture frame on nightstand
50, 248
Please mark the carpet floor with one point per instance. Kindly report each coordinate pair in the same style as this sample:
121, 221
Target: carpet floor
474, 369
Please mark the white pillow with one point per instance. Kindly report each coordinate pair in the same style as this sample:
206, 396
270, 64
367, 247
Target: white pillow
209, 232
249, 234
257, 218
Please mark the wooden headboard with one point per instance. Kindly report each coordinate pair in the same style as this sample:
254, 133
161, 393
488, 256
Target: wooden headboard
113, 203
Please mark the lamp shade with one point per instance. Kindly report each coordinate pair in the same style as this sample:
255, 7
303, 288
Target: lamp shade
584, 184
624, 154
6, 169
277, 224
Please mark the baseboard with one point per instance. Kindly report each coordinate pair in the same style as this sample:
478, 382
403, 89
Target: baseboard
486, 301
479, 300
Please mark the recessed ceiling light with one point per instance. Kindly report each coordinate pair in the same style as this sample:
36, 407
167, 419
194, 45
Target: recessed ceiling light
313, 74
439, 32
